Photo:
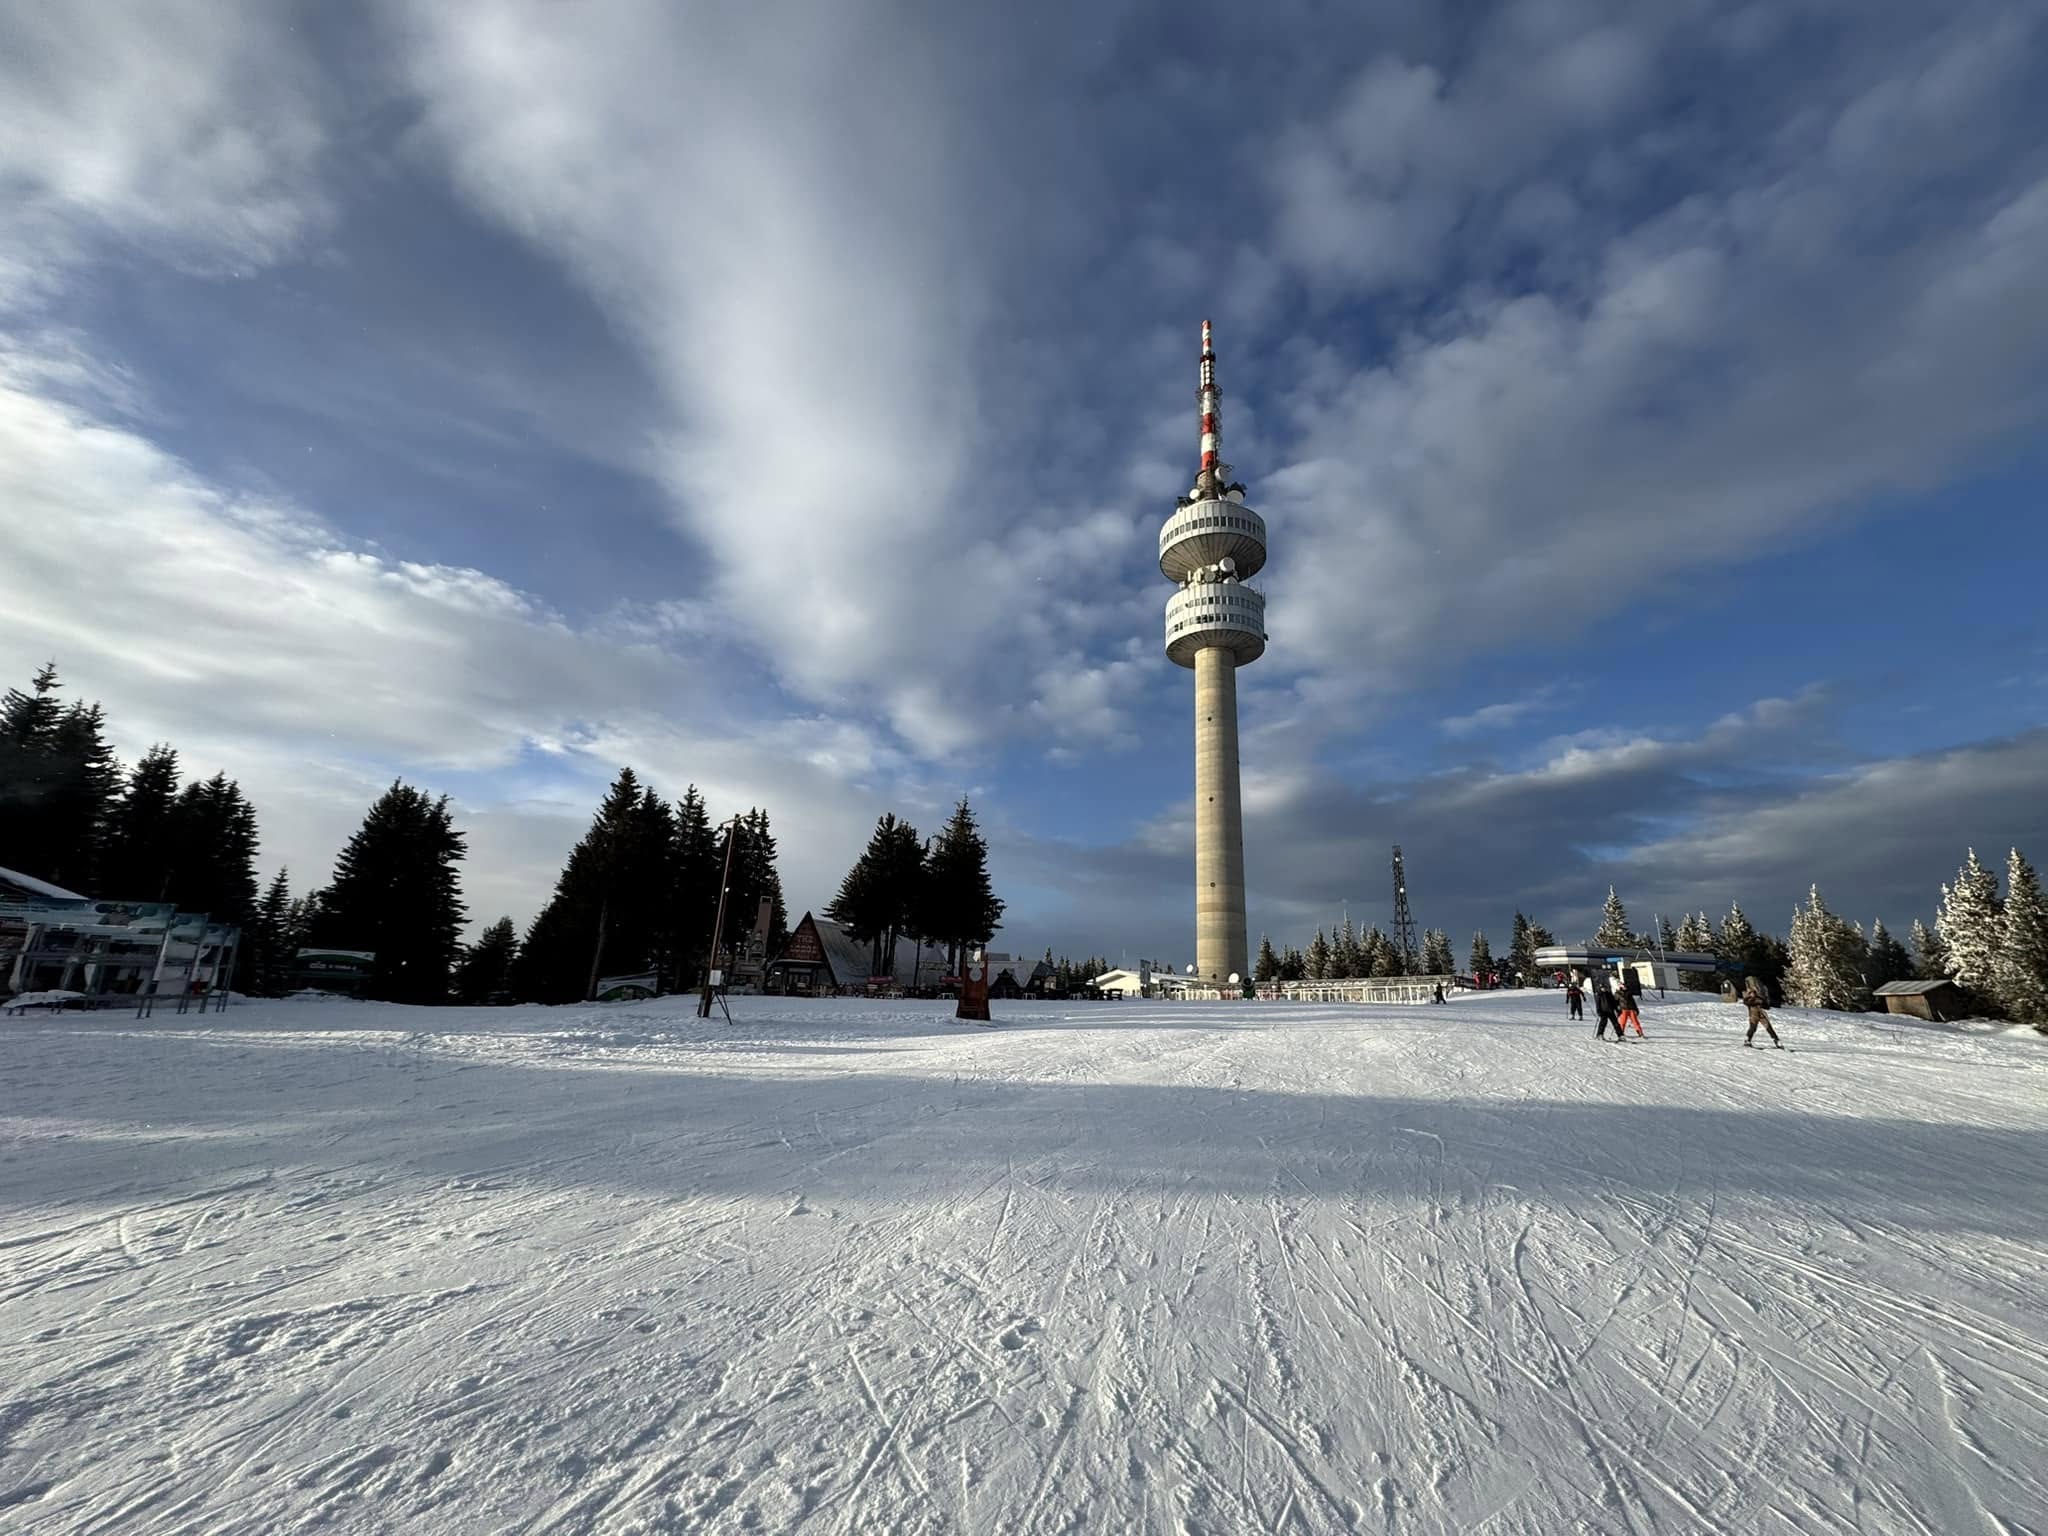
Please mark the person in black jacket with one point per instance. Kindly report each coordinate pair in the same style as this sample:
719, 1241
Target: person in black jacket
1575, 997
1603, 1004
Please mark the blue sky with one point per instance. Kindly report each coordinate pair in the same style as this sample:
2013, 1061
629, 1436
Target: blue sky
1645, 403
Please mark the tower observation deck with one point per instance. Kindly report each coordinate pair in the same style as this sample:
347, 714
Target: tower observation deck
1215, 623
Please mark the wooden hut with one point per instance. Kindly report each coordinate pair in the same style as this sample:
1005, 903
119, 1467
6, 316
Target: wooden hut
1936, 1001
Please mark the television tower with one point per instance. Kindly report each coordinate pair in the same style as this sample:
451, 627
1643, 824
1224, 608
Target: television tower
1215, 624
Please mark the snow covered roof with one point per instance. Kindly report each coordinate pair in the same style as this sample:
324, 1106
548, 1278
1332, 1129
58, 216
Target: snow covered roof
846, 955
14, 883
1911, 988
848, 958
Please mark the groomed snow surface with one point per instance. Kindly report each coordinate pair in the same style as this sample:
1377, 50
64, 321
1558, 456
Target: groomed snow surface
1102, 1268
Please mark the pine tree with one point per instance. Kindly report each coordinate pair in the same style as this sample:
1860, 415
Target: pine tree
213, 858
1318, 957
695, 867
1344, 952
307, 914
1482, 957
1737, 948
884, 895
1773, 962
77, 812
964, 909
1667, 936
1614, 931
1889, 961
613, 909
1827, 955
267, 941
1969, 922
1387, 959
28, 743
484, 973
2019, 972
1696, 936
755, 877
1293, 965
142, 830
1930, 955
397, 892
1437, 959
1267, 967
1690, 941
1522, 951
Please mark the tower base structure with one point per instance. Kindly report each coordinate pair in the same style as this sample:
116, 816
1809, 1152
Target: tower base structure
1221, 948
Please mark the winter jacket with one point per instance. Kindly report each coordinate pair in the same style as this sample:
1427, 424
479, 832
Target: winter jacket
1754, 995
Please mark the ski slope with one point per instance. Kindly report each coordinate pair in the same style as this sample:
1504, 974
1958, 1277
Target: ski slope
1102, 1268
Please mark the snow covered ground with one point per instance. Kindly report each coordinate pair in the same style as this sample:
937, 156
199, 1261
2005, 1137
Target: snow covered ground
1145, 1267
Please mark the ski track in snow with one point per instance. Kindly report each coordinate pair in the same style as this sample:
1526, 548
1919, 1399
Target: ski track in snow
845, 1267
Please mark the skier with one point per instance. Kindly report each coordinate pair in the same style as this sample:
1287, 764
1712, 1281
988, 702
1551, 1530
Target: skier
1628, 1010
1603, 1005
1759, 1003
1575, 996
1439, 993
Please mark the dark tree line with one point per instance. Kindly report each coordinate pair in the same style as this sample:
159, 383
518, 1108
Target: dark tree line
71, 816
640, 893
932, 891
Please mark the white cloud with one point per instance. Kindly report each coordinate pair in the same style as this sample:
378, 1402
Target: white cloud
190, 127
803, 295
1501, 716
250, 637
1690, 379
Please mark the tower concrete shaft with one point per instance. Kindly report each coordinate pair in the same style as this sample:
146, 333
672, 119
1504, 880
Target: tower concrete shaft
1215, 623
1221, 948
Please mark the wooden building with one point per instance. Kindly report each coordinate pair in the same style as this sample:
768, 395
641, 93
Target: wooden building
1939, 1002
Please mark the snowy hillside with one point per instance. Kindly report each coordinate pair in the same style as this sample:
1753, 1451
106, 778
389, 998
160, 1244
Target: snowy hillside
846, 1267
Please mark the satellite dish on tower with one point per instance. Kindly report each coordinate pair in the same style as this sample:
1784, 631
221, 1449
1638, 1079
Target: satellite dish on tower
1229, 565
1235, 978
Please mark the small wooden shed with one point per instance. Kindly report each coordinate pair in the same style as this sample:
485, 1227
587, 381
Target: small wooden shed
1936, 1001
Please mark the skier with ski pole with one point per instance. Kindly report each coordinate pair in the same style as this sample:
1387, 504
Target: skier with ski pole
1758, 1001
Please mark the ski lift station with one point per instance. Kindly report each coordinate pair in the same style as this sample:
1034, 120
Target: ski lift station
1659, 969
68, 950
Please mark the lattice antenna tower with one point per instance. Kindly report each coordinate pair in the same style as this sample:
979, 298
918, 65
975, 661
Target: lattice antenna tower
1404, 920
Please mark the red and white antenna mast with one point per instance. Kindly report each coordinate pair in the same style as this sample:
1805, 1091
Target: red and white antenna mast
1212, 415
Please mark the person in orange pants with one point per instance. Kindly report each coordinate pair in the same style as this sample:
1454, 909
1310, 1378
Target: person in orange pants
1626, 1012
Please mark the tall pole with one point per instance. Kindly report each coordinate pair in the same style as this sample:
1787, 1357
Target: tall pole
732, 832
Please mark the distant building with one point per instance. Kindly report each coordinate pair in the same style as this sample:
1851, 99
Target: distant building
1143, 982
1017, 975
822, 959
1936, 1001
346, 971
108, 952
1656, 969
